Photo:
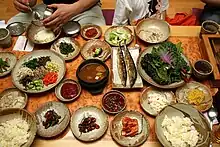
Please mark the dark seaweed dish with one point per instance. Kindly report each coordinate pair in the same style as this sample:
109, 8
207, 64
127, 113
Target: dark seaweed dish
165, 64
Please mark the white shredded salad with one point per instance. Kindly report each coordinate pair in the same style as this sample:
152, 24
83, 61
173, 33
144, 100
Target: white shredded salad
180, 131
14, 133
157, 101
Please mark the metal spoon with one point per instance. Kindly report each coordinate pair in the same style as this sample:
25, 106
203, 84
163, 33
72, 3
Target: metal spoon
36, 14
212, 114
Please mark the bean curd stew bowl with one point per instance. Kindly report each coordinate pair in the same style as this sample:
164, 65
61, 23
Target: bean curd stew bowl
93, 75
113, 102
202, 69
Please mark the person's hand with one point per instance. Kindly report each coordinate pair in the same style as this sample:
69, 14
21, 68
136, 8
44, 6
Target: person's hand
63, 13
22, 5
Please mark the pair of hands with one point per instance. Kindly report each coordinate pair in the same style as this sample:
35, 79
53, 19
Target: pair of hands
63, 13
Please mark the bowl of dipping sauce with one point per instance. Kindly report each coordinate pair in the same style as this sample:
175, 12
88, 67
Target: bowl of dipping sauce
68, 90
113, 102
202, 69
93, 75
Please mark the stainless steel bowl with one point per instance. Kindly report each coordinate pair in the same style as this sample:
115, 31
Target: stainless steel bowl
36, 27
152, 28
72, 28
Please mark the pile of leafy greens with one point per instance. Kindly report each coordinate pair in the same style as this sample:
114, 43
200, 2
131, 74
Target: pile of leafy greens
165, 64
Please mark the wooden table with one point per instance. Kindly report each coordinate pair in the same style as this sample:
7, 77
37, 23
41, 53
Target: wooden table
187, 35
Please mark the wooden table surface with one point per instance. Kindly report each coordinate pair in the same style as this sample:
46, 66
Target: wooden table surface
190, 42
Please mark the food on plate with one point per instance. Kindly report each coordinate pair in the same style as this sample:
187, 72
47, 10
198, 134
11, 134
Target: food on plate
122, 72
91, 32
12, 100
88, 124
52, 119
130, 127
179, 131
153, 35
166, 64
66, 48
113, 102
50, 78
69, 90
14, 133
130, 66
119, 34
157, 100
195, 96
37, 73
4, 65
44, 36
92, 72
97, 51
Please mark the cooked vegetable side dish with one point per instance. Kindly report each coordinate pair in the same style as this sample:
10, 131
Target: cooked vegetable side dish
130, 127
37, 73
4, 65
165, 64
195, 96
117, 35
52, 119
66, 48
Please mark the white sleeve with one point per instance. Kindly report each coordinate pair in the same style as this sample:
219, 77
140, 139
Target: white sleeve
121, 13
165, 5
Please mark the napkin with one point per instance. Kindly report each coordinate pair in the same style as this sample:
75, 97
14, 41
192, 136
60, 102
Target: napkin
2, 24
23, 44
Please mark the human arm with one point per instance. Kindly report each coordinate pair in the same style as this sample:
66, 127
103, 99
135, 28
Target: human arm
64, 12
21, 5
121, 14
212, 2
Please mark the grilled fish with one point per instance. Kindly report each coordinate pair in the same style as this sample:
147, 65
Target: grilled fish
121, 66
131, 69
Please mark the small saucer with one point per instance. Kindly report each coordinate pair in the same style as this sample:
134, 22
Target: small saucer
16, 28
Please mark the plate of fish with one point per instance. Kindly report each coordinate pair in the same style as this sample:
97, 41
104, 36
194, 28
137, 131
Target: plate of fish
7, 62
181, 125
96, 49
124, 70
13, 98
116, 34
153, 100
91, 31
130, 128
38, 71
164, 65
67, 47
89, 123
195, 94
52, 119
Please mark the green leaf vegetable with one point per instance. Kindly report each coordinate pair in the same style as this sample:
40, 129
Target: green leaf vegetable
66, 48
118, 35
3, 65
165, 64
37, 62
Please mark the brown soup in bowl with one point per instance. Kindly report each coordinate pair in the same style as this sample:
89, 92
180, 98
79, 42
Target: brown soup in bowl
92, 72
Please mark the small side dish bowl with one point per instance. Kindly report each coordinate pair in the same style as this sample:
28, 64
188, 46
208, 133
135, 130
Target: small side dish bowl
113, 102
68, 90
93, 75
13, 98
10, 59
152, 30
91, 31
202, 69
